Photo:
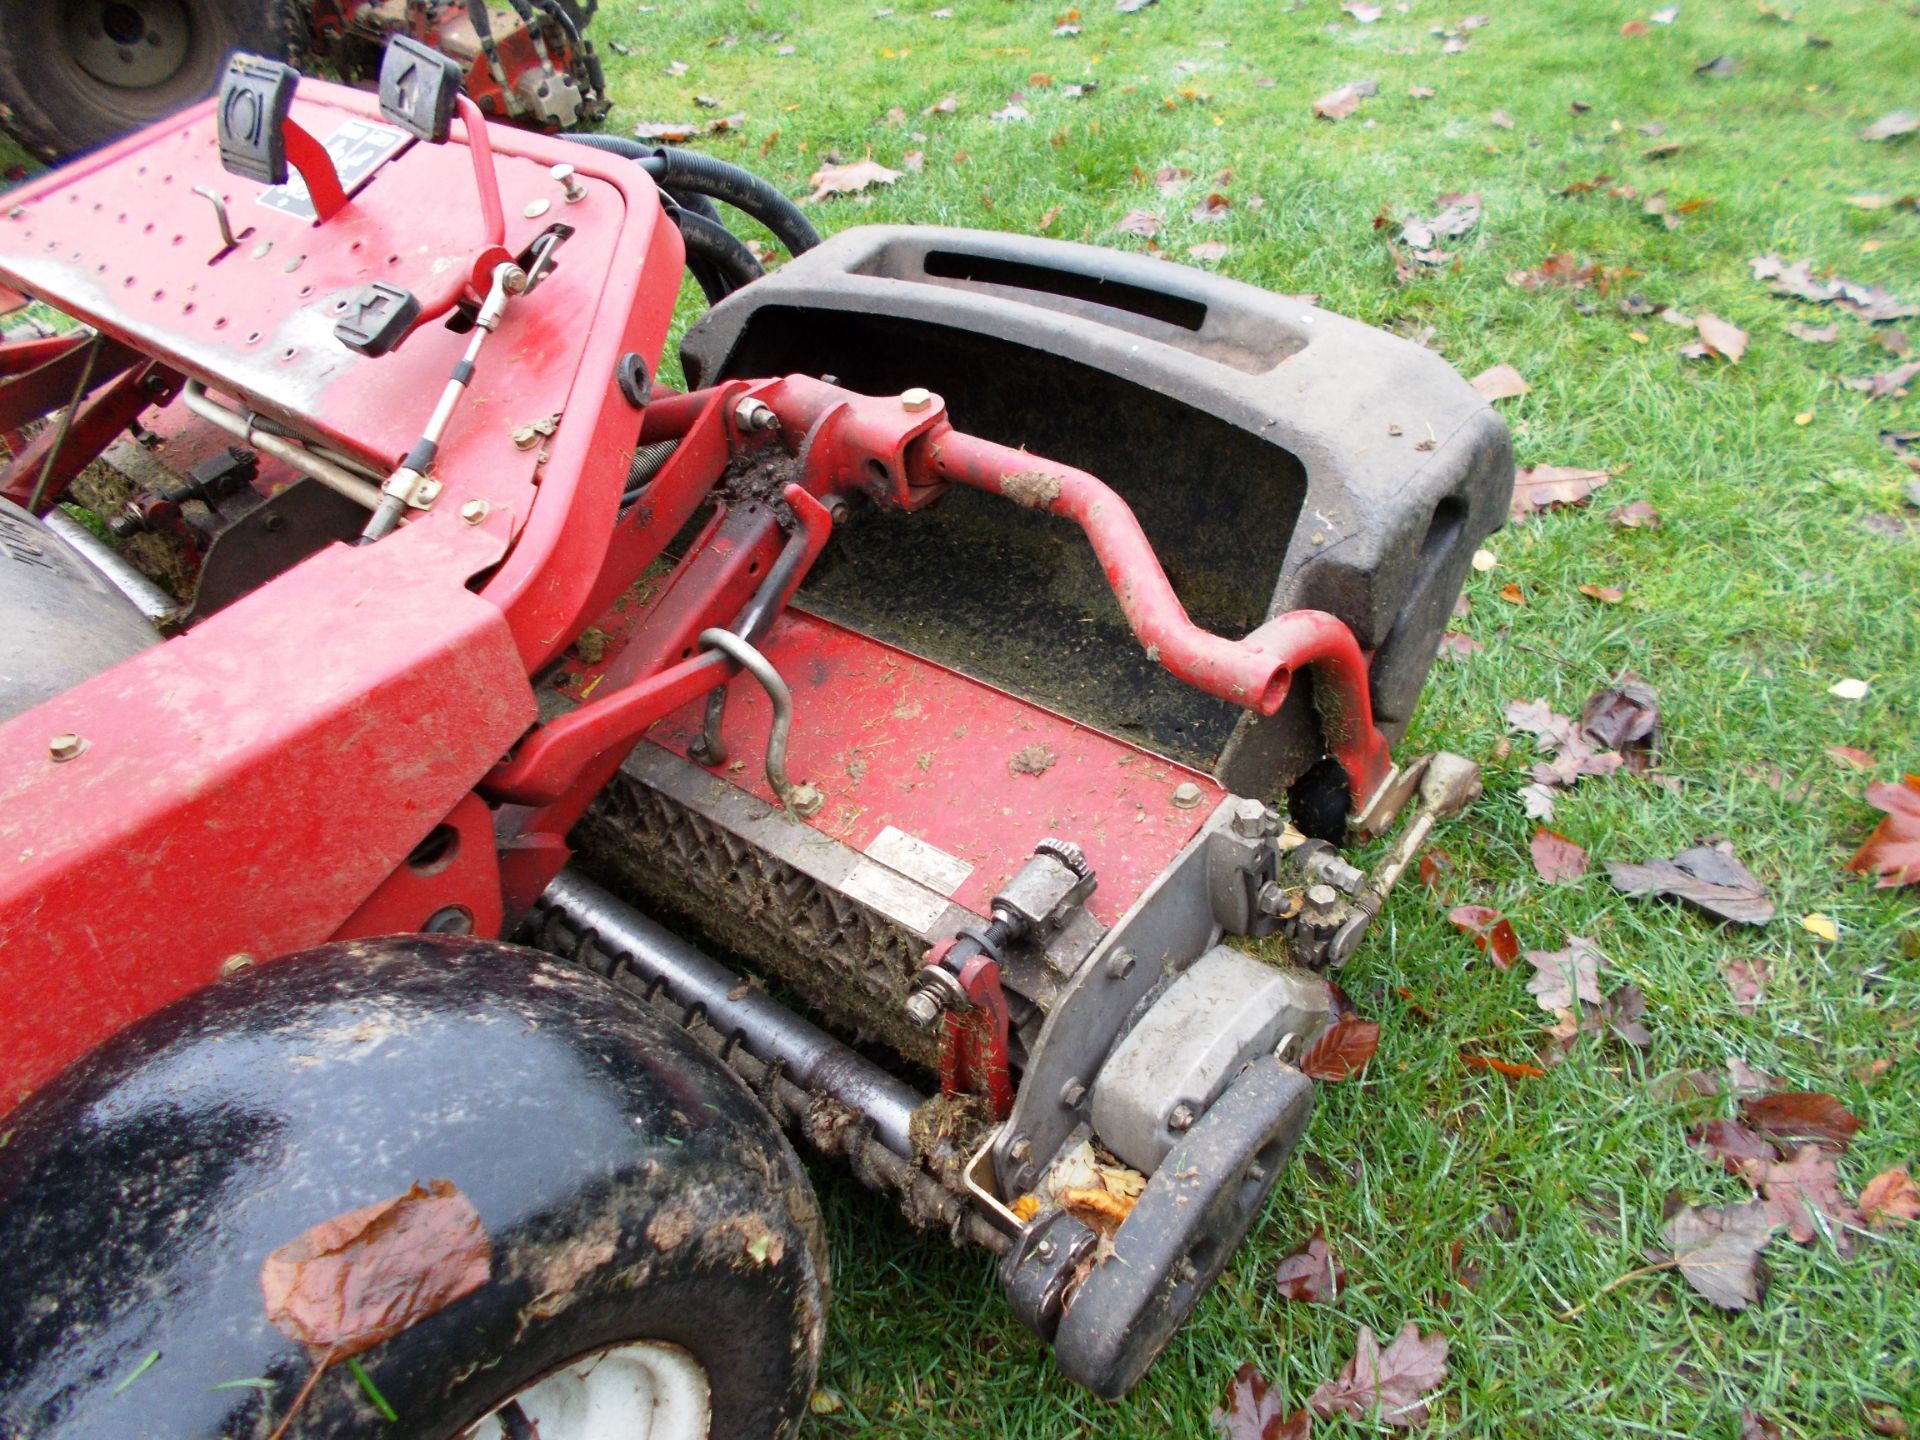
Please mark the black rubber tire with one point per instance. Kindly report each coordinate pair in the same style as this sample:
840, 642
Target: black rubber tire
58, 109
630, 1185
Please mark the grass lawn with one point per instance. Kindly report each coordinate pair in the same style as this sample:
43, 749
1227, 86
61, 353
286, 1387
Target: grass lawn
1785, 560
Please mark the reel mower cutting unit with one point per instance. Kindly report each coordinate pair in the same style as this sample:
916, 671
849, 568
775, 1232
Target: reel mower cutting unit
943, 717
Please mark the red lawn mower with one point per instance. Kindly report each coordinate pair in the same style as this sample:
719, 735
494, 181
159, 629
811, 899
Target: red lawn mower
434, 750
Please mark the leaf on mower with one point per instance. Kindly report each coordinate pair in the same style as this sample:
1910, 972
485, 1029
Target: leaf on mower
830, 180
1099, 1210
1342, 1050
1500, 382
1803, 1194
1311, 1274
1706, 877
360, 1278
1562, 976
1490, 931
1138, 222
1393, 1383
1637, 516
1890, 1199
1717, 1249
1547, 487
1256, 1411
1747, 980
1338, 104
1892, 851
1802, 1115
1555, 857
1892, 125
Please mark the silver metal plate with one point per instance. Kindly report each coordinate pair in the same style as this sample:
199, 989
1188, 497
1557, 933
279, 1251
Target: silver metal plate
916, 859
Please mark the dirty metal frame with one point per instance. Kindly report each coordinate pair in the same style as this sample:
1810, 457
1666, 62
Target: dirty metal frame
345, 771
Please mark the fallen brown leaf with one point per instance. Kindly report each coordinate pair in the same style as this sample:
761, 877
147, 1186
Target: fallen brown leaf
1563, 976
1255, 1411
1390, 1384
1892, 851
1546, 487
1802, 1115
1490, 931
1500, 382
1717, 1250
1708, 877
1747, 979
1892, 125
1624, 717
1512, 1069
1803, 1194
1722, 338
1637, 516
1138, 222
830, 180
1556, 858
1311, 1274
1890, 1199
1606, 594
1338, 104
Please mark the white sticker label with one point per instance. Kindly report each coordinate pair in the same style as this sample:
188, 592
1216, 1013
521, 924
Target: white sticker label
894, 896
915, 858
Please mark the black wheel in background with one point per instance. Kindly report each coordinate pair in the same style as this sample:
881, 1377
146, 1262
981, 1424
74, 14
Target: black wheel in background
77, 73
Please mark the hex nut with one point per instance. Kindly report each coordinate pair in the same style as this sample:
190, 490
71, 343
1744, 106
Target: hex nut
1249, 819
1181, 1120
65, 747
1186, 795
916, 399
1021, 1150
474, 511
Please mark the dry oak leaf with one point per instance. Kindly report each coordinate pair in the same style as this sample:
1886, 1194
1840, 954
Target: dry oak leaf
1638, 516
1338, 104
1802, 1115
1892, 851
830, 180
1544, 487
1393, 1383
1717, 1249
1490, 930
1732, 1142
1500, 382
349, 1283
1256, 1411
1342, 1050
1311, 1274
1890, 1198
1624, 717
1555, 857
1707, 877
1138, 222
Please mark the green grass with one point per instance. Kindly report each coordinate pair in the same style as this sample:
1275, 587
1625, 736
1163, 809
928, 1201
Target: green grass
1763, 586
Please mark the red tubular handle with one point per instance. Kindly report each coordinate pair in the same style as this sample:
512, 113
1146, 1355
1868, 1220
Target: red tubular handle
1255, 672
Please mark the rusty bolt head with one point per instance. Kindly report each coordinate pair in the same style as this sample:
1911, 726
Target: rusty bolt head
751, 415
915, 400
474, 511
1181, 1120
1186, 795
1072, 1093
63, 748
1021, 1150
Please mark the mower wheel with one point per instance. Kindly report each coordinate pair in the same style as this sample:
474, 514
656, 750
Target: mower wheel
656, 1266
1187, 1223
77, 74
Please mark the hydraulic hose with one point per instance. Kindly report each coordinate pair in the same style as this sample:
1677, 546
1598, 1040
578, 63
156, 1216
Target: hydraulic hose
729, 264
687, 170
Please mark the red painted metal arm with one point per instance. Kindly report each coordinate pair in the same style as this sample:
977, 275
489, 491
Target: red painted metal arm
1255, 672
492, 216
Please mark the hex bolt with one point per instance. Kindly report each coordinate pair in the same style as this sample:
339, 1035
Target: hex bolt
1120, 964
1021, 1150
1249, 819
235, 963
1045, 1251
1072, 1093
474, 511
1322, 903
751, 415
63, 748
570, 187
1181, 1120
923, 1010
916, 399
1186, 795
